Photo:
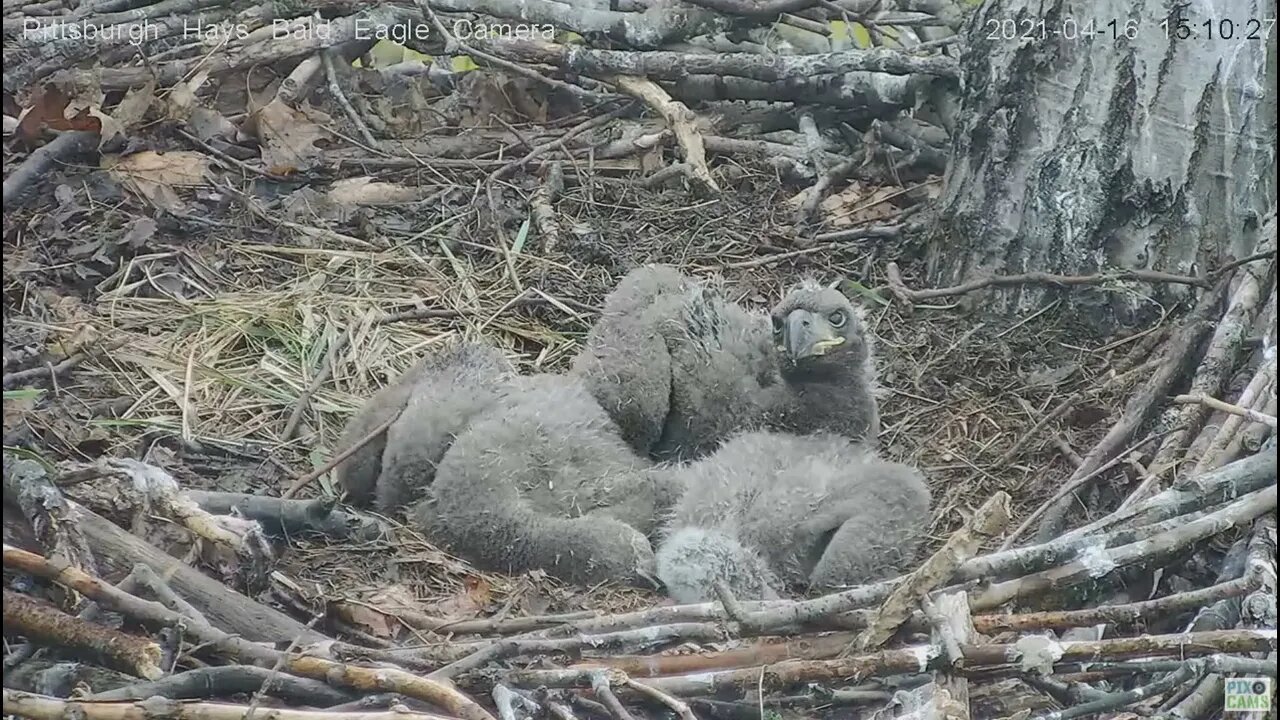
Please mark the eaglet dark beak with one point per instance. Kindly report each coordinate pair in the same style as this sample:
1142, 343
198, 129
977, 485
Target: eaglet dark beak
807, 334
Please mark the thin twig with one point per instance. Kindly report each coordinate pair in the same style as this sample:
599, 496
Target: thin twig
331, 73
1076, 485
336, 460
675, 704
51, 371
1226, 407
601, 687
1151, 276
304, 399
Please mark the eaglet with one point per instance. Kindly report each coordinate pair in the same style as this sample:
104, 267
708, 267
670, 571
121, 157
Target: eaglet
772, 511
680, 368
435, 399
542, 481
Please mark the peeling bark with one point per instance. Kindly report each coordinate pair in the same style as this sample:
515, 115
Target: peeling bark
1076, 156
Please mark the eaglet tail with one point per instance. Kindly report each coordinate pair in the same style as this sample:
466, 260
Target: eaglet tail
358, 474
459, 385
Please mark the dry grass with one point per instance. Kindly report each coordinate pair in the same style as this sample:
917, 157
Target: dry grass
221, 334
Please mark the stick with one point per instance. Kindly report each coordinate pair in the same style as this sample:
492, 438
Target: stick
224, 680
1178, 348
542, 203
66, 146
676, 705
600, 685
766, 9
1074, 485
1191, 670
1216, 404
41, 707
52, 371
1123, 613
286, 518
336, 460
147, 578
818, 192
682, 121
1102, 563
384, 679
831, 645
952, 627
116, 551
453, 44
849, 239
335, 90
42, 622
1199, 490
1211, 376
326, 369
986, 523
776, 676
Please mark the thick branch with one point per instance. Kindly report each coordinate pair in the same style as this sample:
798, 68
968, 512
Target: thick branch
41, 707
383, 679
664, 65
777, 676
42, 622
988, 522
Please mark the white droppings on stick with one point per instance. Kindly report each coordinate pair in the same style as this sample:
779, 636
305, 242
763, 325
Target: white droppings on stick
147, 479
1096, 560
923, 654
1038, 653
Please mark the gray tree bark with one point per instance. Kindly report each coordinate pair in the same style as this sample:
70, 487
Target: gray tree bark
1126, 147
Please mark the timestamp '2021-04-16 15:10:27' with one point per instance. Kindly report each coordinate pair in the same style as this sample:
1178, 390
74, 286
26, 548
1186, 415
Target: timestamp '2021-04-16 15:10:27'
1170, 28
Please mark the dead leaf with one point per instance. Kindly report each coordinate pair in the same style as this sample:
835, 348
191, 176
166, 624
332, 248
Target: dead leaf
139, 232
131, 112
182, 98
378, 612
479, 589
110, 127
480, 96
154, 176
469, 603
84, 97
289, 136
85, 249
49, 104
65, 195
365, 191
651, 160
17, 403
378, 624
856, 204
67, 205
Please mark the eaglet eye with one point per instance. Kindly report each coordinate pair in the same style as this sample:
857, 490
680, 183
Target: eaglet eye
837, 319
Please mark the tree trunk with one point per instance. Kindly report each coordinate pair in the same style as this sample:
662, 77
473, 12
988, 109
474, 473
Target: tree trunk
1079, 155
